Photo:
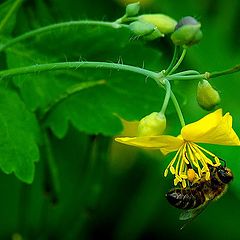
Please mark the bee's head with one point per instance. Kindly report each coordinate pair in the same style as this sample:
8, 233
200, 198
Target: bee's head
224, 174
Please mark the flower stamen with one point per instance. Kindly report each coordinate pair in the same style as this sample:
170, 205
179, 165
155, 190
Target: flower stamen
191, 156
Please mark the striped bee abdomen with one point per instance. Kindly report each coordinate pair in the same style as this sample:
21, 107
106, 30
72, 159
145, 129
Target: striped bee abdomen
185, 198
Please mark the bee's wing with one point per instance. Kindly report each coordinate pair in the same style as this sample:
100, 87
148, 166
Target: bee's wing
191, 214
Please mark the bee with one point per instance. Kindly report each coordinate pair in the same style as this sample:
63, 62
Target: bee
195, 198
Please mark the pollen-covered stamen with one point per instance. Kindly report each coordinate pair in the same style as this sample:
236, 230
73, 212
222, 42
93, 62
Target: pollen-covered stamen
193, 160
170, 165
181, 168
216, 159
202, 160
178, 167
191, 156
183, 164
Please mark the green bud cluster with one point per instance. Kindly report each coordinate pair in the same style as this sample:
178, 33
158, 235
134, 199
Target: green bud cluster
148, 26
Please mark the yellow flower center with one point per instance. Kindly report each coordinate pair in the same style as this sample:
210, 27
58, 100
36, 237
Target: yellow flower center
191, 156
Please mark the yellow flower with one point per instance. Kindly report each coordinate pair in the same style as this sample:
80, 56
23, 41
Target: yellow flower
214, 128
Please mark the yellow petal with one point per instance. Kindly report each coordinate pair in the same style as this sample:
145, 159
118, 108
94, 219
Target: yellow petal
164, 143
213, 128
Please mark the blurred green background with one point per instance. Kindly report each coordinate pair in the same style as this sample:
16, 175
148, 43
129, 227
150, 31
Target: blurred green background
109, 191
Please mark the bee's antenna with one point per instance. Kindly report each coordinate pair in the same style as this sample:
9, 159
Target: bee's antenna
225, 164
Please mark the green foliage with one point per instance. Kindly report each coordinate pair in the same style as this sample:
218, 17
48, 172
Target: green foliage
8, 11
117, 98
105, 190
19, 135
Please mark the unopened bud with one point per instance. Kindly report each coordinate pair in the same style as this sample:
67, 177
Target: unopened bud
154, 35
132, 9
153, 124
141, 28
164, 23
207, 97
187, 32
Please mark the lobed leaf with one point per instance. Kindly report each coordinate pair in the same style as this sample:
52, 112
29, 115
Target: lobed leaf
18, 137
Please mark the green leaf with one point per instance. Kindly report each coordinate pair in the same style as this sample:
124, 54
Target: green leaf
8, 11
18, 137
97, 109
39, 90
43, 14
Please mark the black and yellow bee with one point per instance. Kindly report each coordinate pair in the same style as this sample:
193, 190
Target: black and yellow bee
195, 198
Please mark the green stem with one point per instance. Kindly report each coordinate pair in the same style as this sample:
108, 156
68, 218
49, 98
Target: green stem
23, 210
194, 75
190, 77
225, 72
174, 100
184, 73
57, 26
52, 182
174, 59
167, 96
78, 223
125, 19
178, 109
179, 61
75, 65
4, 21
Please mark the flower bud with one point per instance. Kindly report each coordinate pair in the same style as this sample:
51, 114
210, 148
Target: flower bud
132, 9
187, 32
154, 35
153, 124
164, 23
141, 28
207, 97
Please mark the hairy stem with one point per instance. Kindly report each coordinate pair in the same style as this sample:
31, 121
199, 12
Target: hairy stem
58, 26
75, 65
